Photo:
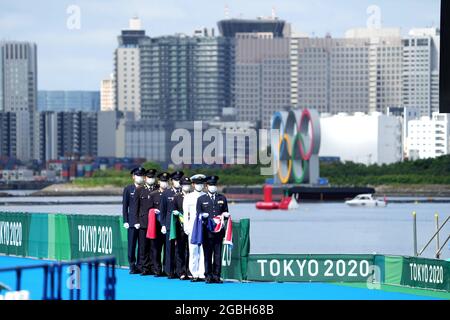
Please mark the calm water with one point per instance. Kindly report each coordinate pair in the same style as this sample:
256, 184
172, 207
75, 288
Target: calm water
313, 228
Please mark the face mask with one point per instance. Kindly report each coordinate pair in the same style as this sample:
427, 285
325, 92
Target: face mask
150, 181
139, 180
163, 184
212, 189
186, 188
176, 184
198, 187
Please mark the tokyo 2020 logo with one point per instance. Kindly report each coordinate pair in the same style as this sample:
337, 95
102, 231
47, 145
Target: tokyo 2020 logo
295, 146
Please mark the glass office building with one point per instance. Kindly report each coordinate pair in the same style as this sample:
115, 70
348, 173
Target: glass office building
88, 101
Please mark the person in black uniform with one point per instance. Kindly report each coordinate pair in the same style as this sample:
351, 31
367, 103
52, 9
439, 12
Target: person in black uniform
158, 243
166, 208
129, 218
181, 245
211, 205
150, 180
143, 204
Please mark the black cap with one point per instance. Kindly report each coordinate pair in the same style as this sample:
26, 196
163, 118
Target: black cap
198, 178
138, 171
185, 181
164, 176
212, 180
150, 173
177, 175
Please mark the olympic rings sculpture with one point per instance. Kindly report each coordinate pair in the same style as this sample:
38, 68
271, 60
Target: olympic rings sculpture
295, 146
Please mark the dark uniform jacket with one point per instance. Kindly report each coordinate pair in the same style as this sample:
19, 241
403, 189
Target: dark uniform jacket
129, 206
205, 204
143, 204
167, 206
178, 205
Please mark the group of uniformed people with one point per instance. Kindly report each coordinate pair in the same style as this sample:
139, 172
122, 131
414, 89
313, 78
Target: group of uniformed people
179, 203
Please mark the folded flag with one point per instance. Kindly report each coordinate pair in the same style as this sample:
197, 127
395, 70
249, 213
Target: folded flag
151, 229
173, 224
197, 231
228, 240
215, 224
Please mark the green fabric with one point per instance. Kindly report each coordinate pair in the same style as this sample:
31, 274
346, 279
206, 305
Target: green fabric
173, 226
393, 270
231, 256
62, 238
245, 246
51, 236
38, 240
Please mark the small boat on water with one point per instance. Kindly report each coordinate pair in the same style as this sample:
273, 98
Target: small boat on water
366, 200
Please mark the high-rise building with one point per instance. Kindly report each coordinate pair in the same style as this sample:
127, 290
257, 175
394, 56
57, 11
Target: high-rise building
8, 134
429, 137
358, 73
108, 94
127, 69
88, 101
185, 77
18, 76
333, 74
261, 70
421, 70
18, 91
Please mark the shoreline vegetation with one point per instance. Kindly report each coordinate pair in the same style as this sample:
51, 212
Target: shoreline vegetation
429, 177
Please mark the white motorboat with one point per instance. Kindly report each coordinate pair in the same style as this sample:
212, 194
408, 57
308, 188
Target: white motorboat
366, 200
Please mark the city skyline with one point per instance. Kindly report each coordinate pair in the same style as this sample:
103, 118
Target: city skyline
79, 58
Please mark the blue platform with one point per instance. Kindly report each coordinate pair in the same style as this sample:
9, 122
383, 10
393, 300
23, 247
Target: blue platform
136, 287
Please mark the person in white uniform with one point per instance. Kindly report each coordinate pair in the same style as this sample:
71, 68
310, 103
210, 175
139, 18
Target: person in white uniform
196, 257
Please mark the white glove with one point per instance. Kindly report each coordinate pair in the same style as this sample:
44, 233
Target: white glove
163, 230
175, 212
205, 215
126, 225
157, 211
226, 214
137, 226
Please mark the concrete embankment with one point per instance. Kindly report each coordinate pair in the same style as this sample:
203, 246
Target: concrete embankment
250, 193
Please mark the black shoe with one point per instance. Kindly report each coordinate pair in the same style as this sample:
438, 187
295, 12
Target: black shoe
159, 274
146, 273
172, 276
218, 280
195, 280
209, 280
135, 271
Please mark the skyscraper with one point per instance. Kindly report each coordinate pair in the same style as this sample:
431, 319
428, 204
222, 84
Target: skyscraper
261, 67
359, 73
184, 77
108, 94
421, 70
18, 91
127, 69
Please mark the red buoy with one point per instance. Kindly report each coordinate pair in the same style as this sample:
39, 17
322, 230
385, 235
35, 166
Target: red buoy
268, 203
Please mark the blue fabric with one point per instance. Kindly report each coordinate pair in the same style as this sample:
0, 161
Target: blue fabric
197, 232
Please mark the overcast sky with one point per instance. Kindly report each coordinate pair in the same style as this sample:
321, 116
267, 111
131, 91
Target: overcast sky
77, 59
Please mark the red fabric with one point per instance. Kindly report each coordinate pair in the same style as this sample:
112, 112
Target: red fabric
229, 233
151, 230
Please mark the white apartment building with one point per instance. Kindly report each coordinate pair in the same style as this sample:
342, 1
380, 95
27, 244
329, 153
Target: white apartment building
127, 69
428, 137
108, 94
